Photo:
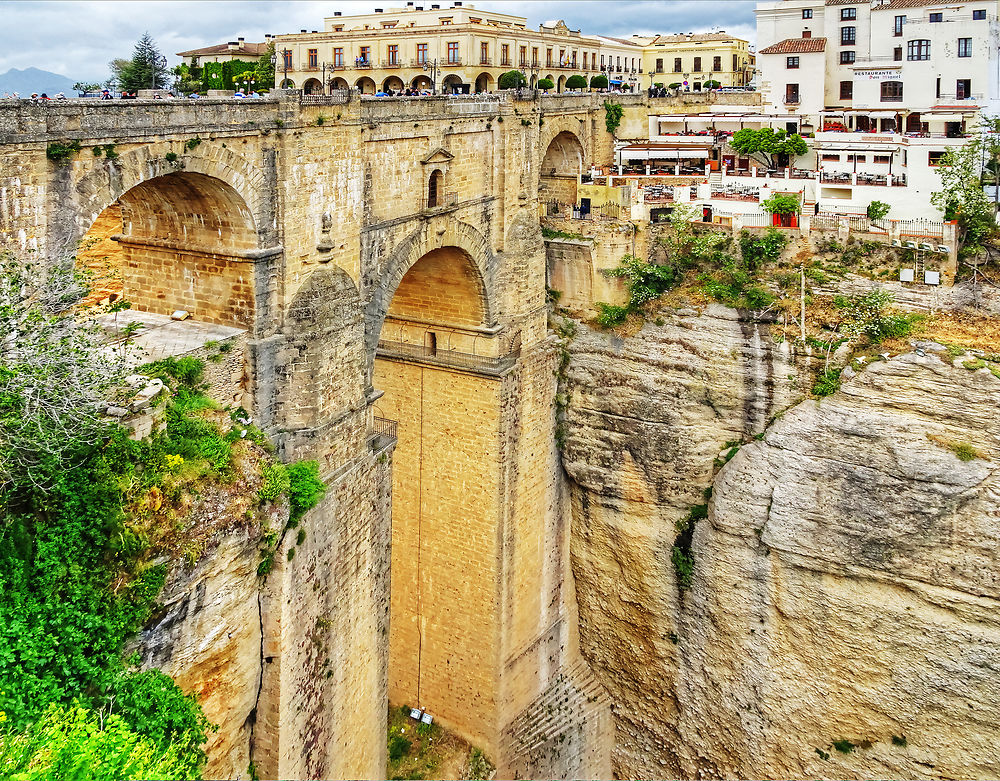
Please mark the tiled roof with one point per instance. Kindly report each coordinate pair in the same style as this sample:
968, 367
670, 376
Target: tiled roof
901, 4
847, 2
796, 46
695, 37
251, 49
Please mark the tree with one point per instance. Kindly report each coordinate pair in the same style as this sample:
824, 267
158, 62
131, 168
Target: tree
86, 86
600, 81
877, 210
511, 80
576, 82
781, 203
265, 68
187, 78
962, 197
768, 144
146, 70
56, 375
546, 84
674, 85
711, 84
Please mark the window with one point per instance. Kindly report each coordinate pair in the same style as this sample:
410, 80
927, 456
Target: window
848, 35
286, 55
964, 47
892, 91
979, 14
846, 57
677, 65
938, 17
548, 56
393, 54
791, 93
697, 64
919, 49
484, 53
856, 158
934, 158
453, 52
585, 55
338, 57
716, 63
791, 62
446, 21
883, 159
504, 54
846, 90
534, 55
366, 55
897, 54
421, 53
659, 65
831, 158
807, 34
897, 29
848, 13
736, 63
434, 188
313, 58
807, 13
963, 89
339, 28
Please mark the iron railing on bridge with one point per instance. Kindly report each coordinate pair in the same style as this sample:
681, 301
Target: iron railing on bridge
607, 211
383, 433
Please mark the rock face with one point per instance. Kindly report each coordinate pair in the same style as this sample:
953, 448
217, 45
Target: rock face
845, 584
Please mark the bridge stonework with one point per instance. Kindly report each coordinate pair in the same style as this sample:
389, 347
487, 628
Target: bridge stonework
386, 260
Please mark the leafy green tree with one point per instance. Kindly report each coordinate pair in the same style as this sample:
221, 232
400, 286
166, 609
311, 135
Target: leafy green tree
781, 203
600, 81
264, 69
711, 84
962, 197
86, 86
146, 70
187, 78
768, 143
877, 210
546, 84
576, 82
511, 80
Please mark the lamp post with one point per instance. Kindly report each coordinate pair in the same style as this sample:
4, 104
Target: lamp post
274, 63
431, 66
326, 66
286, 55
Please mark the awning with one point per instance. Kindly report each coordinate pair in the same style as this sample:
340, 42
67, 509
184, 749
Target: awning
870, 150
663, 154
942, 117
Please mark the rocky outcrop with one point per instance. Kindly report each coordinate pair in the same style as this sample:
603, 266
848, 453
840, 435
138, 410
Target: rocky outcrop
845, 582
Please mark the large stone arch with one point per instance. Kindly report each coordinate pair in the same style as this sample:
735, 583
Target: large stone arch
561, 160
107, 181
434, 234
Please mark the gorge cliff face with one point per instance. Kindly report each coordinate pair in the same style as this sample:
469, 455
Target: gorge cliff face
845, 580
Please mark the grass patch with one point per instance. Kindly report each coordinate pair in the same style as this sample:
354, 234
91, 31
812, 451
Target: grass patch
551, 233
962, 450
827, 383
844, 746
419, 751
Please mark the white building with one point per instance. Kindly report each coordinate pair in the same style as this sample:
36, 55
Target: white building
886, 86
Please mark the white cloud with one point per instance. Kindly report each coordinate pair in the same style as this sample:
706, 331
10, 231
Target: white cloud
77, 39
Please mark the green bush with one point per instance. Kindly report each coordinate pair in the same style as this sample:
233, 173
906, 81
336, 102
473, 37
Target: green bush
683, 563
827, 383
844, 746
182, 372
306, 489
576, 82
275, 482
613, 113
546, 84
758, 249
511, 80
781, 203
646, 281
60, 151
399, 747
877, 210
599, 82
609, 315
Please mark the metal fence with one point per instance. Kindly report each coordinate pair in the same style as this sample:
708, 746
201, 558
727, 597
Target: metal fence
921, 228
607, 211
383, 432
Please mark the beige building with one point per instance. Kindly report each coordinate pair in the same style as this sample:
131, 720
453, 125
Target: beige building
226, 52
693, 59
454, 49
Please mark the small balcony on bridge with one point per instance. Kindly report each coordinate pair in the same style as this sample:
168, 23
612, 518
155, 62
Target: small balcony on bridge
383, 433
486, 351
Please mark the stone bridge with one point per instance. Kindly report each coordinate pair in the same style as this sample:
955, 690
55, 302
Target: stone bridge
384, 260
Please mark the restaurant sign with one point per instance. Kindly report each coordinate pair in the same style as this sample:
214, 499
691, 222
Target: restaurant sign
879, 75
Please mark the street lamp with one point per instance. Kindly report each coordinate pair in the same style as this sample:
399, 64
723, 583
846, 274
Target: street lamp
285, 57
431, 66
326, 66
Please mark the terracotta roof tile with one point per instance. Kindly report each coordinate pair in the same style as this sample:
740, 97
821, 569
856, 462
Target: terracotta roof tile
796, 46
894, 4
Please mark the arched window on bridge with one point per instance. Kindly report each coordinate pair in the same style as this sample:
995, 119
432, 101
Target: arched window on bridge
435, 188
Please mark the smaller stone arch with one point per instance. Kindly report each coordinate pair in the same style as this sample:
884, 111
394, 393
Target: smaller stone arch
561, 84
287, 84
339, 83
365, 85
484, 82
393, 83
421, 82
534, 82
313, 87
451, 82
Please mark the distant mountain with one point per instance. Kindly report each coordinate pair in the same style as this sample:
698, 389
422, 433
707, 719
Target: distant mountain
29, 80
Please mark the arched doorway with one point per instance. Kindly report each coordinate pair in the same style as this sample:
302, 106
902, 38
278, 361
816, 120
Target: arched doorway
287, 84
365, 85
339, 83
393, 83
453, 83
562, 163
534, 82
561, 84
484, 82
443, 489
313, 87
421, 83
182, 241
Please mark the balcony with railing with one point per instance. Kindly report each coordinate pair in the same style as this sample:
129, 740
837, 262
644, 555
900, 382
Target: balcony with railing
456, 359
391, 63
456, 60
363, 64
383, 433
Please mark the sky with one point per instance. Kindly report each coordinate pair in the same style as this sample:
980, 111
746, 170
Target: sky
77, 38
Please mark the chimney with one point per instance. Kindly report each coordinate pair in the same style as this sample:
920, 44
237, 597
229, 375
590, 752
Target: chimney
336, 13
302, 31
233, 46
458, 3
410, 4
378, 10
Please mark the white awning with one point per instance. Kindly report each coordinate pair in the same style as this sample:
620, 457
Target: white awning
663, 154
942, 117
